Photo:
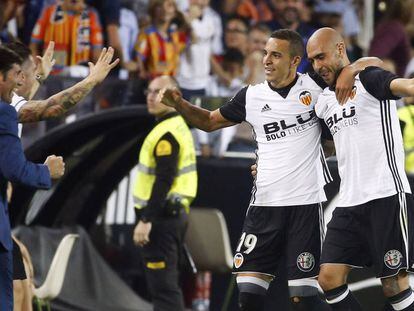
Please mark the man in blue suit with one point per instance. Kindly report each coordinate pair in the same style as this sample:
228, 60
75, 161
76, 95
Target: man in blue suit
15, 168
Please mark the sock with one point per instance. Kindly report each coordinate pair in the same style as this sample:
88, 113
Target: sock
341, 299
403, 301
251, 302
308, 303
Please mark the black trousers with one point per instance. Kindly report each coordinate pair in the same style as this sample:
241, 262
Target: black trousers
161, 258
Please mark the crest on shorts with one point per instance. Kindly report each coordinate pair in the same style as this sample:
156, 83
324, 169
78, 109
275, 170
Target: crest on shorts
393, 259
238, 260
305, 98
353, 92
305, 262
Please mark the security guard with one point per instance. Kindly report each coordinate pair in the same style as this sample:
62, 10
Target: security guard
406, 115
165, 185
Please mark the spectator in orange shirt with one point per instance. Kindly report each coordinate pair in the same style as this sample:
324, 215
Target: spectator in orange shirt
159, 46
76, 30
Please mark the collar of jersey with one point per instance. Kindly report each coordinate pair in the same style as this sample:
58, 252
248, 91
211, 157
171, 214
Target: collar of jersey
284, 91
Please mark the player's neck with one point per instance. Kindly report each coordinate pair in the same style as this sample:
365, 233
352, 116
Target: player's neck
285, 82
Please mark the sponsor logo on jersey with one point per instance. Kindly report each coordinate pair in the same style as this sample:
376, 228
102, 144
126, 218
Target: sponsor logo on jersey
283, 128
305, 98
339, 120
238, 260
266, 108
393, 259
353, 92
305, 262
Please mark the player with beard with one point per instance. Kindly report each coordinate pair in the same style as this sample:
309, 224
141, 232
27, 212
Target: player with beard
373, 224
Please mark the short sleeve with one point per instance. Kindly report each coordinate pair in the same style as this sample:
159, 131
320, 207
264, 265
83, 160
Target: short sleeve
235, 109
38, 33
377, 82
142, 46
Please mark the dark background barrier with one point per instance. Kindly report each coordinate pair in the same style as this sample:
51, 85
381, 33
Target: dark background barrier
100, 151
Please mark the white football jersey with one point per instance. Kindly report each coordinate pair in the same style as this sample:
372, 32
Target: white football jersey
368, 139
18, 102
291, 167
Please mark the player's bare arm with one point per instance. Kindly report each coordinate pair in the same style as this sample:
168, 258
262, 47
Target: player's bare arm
346, 79
201, 118
44, 65
402, 87
60, 103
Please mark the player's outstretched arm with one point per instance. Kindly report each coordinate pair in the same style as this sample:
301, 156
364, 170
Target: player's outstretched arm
346, 79
201, 118
402, 87
60, 103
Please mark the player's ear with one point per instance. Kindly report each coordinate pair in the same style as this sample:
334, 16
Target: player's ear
296, 60
341, 48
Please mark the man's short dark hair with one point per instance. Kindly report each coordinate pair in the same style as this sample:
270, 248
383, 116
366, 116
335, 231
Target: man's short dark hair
7, 59
20, 49
297, 47
233, 55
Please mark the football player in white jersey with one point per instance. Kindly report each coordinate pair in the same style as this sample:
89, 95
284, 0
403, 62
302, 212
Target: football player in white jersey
284, 216
373, 224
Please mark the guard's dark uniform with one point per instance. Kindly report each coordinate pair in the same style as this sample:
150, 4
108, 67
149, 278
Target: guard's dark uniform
165, 185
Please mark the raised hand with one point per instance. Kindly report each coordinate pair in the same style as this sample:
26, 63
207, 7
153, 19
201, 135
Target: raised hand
104, 64
169, 97
45, 63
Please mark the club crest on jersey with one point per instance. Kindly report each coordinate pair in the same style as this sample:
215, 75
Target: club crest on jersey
305, 98
353, 92
393, 259
238, 260
305, 262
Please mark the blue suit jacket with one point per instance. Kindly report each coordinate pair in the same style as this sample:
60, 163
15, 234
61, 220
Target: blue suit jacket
15, 168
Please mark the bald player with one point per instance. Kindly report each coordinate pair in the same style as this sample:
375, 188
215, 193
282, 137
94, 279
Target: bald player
373, 224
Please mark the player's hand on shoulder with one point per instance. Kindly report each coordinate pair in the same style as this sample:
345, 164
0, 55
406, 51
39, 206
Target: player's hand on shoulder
344, 85
56, 166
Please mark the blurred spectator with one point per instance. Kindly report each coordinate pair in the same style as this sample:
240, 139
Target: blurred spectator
8, 9
257, 38
406, 115
159, 46
216, 143
390, 37
29, 16
341, 15
235, 34
109, 12
256, 11
76, 30
218, 28
289, 15
128, 32
194, 66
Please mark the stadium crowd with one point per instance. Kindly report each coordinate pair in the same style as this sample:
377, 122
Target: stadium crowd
212, 49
